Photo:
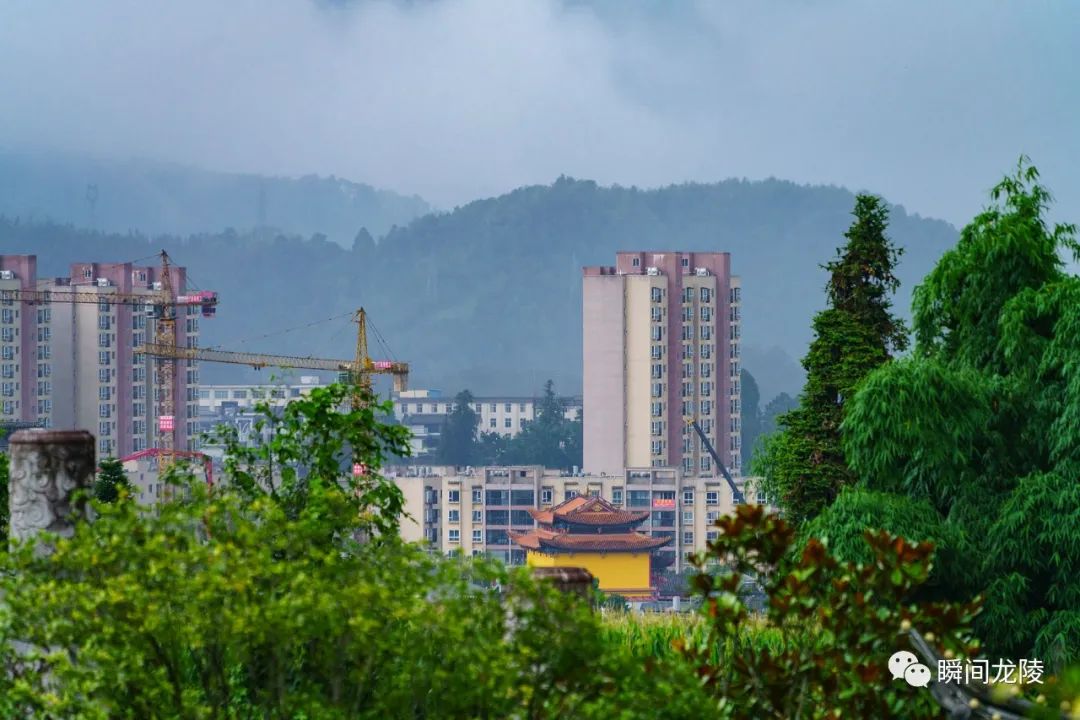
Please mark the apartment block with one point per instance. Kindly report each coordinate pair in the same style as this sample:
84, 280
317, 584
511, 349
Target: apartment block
661, 335
473, 512
214, 399
71, 364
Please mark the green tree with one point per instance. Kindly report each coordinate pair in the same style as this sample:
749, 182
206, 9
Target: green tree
751, 415
549, 440
315, 444
458, 444
5, 510
111, 480
805, 463
770, 414
983, 422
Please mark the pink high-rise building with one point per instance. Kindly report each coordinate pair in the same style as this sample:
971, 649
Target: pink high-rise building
661, 348
72, 365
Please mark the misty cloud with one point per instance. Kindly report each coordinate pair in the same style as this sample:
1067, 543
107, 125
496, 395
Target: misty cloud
925, 102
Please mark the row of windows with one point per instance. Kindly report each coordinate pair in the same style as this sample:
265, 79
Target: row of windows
494, 517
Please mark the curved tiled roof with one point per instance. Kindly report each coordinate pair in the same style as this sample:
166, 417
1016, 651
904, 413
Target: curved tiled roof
586, 510
542, 540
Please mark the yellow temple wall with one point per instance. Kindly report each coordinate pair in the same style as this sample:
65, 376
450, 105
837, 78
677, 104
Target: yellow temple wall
616, 571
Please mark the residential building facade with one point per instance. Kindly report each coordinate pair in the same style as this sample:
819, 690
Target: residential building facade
661, 335
72, 365
475, 510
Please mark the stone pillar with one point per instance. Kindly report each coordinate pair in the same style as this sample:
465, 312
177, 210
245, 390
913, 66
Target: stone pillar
47, 468
574, 580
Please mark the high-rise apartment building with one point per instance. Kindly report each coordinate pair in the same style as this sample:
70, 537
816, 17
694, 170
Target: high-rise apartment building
72, 365
661, 348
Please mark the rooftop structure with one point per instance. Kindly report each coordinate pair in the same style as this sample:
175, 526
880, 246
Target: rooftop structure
591, 533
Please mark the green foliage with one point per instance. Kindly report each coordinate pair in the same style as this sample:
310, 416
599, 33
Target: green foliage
5, 508
751, 416
458, 442
983, 421
550, 440
779, 405
836, 625
111, 481
804, 464
841, 527
313, 445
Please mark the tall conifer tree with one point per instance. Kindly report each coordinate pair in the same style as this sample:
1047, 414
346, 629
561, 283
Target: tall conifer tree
804, 464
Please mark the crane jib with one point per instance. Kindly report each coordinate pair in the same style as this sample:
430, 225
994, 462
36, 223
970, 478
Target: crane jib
736, 494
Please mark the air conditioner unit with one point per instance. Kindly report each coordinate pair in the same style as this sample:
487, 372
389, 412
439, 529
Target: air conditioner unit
156, 285
701, 272
7, 275
652, 271
103, 282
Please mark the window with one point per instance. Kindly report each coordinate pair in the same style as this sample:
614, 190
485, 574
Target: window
523, 497
138, 409
44, 352
706, 314
478, 496
736, 294
9, 351
687, 332
706, 389
478, 516
44, 315
104, 322
9, 389
570, 494
688, 314
44, 407
8, 334
712, 497
688, 516
761, 499
734, 332
657, 428
657, 314
706, 332
104, 393
104, 428
478, 536
494, 407
687, 370
657, 447
706, 295
104, 357
8, 316
734, 350
103, 340
706, 464
688, 496
453, 516
454, 535
9, 371
658, 390
545, 496
706, 407
737, 498
688, 352
688, 295
657, 371
711, 535
104, 375
492, 423
507, 407
453, 496
687, 408
657, 333
706, 369
9, 407
508, 423
657, 352
686, 262
687, 390
497, 497
617, 495
688, 538
240, 394
657, 294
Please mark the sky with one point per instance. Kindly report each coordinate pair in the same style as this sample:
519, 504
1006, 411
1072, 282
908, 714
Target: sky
928, 103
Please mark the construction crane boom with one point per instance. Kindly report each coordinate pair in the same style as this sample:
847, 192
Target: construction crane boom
736, 493
361, 367
208, 300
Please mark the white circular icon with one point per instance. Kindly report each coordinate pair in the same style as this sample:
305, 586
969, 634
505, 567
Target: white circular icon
899, 662
917, 675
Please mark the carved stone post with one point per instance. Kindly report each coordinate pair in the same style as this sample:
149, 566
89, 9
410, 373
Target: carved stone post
47, 468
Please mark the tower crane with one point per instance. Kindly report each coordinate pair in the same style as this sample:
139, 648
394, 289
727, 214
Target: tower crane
359, 369
736, 493
163, 306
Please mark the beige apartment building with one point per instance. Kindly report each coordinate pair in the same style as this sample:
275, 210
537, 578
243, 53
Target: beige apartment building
661, 349
472, 511
72, 365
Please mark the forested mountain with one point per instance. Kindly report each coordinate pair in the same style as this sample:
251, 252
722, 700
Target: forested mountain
116, 196
488, 296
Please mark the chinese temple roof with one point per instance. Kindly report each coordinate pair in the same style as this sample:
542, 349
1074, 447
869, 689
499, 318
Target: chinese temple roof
586, 510
549, 540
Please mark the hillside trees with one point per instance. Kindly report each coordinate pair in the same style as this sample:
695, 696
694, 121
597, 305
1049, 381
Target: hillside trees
111, 479
982, 422
458, 442
804, 464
